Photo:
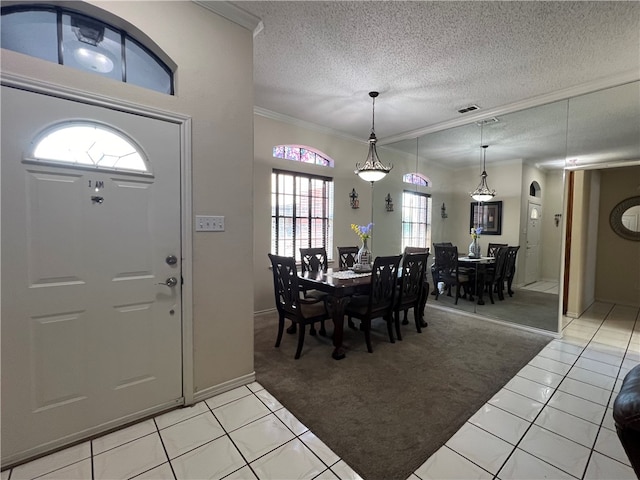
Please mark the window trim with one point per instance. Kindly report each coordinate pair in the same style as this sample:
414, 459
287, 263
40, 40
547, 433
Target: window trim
427, 223
327, 214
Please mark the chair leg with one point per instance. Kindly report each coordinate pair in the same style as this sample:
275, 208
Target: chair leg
417, 315
323, 331
390, 322
280, 330
312, 330
457, 293
300, 341
404, 318
292, 328
397, 324
367, 334
491, 294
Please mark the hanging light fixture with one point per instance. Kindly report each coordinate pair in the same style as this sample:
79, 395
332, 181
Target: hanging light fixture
482, 192
372, 170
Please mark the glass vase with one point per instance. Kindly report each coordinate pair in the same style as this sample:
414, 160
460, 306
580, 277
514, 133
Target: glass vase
364, 255
474, 249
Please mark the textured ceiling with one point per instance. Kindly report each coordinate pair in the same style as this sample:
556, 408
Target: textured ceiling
316, 61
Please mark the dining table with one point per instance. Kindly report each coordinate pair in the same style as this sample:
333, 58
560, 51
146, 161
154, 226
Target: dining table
479, 264
340, 285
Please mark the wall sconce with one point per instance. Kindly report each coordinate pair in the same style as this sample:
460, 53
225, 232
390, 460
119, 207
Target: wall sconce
388, 203
443, 211
355, 203
556, 218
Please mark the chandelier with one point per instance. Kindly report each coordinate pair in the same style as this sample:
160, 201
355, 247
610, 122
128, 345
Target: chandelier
482, 193
372, 170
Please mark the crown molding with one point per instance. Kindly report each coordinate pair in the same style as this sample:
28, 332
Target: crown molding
233, 13
280, 117
564, 94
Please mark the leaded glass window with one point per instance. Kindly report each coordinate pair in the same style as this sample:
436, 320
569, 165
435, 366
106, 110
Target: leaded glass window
89, 145
299, 153
416, 179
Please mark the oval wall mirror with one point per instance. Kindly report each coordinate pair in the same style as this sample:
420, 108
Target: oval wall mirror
625, 218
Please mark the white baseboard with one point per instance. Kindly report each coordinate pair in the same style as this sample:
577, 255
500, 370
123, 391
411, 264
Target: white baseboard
224, 387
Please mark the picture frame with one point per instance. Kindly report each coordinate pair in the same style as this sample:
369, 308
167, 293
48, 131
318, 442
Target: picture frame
487, 215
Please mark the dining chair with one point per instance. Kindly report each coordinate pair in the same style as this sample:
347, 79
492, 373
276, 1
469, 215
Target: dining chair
347, 257
450, 273
492, 247
312, 260
301, 311
379, 301
494, 274
434, 266
510, 268
410, 250
411, 290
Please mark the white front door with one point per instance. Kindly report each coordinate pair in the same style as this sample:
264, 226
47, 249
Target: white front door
90, 338
532, 260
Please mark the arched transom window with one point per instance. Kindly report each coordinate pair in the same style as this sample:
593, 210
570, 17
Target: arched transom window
78, 41
89, 145
416, 179
300, 153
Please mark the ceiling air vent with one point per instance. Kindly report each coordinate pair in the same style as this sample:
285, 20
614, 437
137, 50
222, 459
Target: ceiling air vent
470, 108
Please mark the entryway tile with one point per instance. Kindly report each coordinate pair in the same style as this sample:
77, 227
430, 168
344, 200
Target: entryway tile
244, 473
446, 464
130, 459
516, 404
592, 412
77, 471
586, 391
522, 465
480, 447
292, 461
569, 426
551, 365
162, 472
178, 415
240, 412
544, 377
290, 421
601, 466
260, 437
592, 378
52, 462
318, 447
227, 397
190, 434
528, 388
556, 450
609, 444
120, 437
500, 422
213, 460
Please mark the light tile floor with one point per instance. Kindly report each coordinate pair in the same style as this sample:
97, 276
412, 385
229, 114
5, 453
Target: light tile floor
552, 420
542, 286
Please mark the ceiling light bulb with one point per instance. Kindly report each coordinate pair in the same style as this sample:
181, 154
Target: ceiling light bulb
93, 60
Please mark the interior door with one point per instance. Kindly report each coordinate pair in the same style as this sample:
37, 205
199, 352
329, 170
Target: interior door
90, 337
532, 260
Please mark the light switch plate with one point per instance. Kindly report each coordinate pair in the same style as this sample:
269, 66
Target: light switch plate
209, 223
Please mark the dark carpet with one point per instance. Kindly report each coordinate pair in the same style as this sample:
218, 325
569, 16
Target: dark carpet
385, 413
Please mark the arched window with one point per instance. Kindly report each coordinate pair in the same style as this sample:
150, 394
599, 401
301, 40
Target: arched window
300, 153
89, 145
78, 41
534, 189
416, 179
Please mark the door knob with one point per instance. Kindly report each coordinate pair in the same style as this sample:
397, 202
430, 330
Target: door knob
171, 282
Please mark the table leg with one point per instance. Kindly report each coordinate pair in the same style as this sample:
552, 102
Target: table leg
337, 314
480, 283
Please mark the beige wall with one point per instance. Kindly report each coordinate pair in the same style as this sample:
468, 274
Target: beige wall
617, 260
214, 87
585, 218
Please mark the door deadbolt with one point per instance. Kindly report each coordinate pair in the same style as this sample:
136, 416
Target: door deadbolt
171, 260
171, 282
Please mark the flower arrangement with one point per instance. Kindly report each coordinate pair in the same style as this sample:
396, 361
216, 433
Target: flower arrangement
363, 231
475, 232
